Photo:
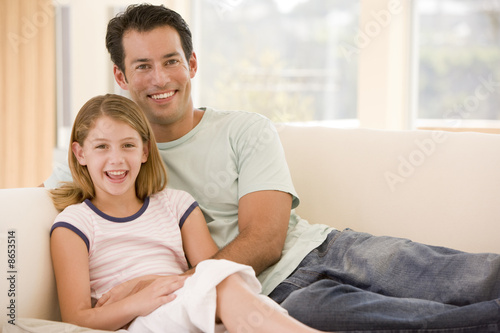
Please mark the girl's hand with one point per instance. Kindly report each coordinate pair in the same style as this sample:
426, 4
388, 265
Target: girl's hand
169, 285
151, 294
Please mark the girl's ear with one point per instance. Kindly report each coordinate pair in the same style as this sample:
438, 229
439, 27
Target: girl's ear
78, 152
145, 153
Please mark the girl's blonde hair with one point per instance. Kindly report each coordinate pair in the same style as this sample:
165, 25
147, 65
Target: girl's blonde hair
152, 176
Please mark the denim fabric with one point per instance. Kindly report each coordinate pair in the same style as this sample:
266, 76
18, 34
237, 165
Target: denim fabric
358, 282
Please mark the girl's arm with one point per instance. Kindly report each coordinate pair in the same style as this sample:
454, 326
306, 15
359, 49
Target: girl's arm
196, 239
198, 245
70, 261
135, 285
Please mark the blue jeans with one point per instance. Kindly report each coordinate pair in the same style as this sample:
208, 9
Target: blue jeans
358, 282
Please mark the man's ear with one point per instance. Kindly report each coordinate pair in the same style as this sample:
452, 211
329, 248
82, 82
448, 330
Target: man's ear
120, 78
193, 65
78, 152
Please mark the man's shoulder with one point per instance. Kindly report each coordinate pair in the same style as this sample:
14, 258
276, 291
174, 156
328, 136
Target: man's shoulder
60, 173
235, 115
235, 121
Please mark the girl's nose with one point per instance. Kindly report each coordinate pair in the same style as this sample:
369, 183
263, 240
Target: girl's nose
116, 157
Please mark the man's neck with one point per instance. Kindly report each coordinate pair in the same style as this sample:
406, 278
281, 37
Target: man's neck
174, 131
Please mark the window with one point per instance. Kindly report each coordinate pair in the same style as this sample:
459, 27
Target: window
458, 63
280, 58
63, 69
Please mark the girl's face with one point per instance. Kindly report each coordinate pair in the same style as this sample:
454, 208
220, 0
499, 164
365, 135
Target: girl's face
113, 153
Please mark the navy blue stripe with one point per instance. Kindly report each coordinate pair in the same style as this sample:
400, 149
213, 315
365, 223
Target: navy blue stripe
187, 213
72, 228
118, 219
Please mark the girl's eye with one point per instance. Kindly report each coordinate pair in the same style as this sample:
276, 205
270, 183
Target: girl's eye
129, 145
101, 146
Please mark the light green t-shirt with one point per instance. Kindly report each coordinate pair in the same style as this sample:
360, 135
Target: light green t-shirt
227, 155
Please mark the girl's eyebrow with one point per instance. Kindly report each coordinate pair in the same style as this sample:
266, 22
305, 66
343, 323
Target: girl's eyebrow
97, 139
130, 138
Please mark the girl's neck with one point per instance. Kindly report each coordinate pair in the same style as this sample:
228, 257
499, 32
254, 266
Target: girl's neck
118, 207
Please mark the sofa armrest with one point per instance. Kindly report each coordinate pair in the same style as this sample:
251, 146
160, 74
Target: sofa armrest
27, 288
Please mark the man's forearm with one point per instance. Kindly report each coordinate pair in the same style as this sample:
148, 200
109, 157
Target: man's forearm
258, 253
263, 218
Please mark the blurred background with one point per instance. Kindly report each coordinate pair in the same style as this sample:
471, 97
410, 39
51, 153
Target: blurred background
385, 64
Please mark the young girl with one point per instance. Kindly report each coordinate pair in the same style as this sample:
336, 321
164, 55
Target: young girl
120, 223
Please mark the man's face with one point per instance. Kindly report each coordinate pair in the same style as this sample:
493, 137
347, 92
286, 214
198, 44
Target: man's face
158, 75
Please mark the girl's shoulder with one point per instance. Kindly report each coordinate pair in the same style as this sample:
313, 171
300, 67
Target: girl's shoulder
79, 216
175, 201
79, 209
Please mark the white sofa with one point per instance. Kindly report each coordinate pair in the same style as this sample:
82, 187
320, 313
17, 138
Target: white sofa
433, 187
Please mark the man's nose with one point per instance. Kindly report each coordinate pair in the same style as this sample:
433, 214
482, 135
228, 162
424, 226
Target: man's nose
161, 76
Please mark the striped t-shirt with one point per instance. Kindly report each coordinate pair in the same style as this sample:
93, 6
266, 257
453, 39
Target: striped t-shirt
120, 249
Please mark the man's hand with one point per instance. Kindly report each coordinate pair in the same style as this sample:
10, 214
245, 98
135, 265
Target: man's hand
131, 287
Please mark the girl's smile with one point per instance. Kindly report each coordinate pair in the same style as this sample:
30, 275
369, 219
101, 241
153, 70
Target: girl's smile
113, 153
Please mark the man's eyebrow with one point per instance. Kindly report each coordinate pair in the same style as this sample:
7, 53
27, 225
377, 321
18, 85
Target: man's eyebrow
140, 60
172, 54
166, 56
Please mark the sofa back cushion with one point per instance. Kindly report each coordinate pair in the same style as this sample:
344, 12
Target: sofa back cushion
438, 188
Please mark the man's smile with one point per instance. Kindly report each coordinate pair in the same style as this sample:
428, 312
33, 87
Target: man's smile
163, 95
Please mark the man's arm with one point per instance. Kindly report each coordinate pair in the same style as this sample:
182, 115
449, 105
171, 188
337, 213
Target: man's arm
263, 218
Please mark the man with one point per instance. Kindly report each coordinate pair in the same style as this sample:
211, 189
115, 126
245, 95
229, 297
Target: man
233, 164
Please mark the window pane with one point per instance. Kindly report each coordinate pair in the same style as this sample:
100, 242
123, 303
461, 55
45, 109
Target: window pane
459, 60
280, 58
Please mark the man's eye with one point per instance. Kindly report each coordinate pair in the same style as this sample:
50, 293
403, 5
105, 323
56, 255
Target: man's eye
172, 62
143, 66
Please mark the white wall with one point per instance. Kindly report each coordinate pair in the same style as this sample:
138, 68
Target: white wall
384, 75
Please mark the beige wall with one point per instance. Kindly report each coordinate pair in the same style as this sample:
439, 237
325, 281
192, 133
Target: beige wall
27, 92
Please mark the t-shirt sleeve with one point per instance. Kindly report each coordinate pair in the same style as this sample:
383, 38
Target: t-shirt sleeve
73, 219
261, 161
182, 204
60, 173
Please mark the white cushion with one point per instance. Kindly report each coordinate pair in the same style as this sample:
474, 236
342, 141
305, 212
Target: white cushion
438, 188
26, 216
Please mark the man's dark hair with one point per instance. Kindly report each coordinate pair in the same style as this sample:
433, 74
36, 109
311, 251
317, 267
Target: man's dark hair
143, 18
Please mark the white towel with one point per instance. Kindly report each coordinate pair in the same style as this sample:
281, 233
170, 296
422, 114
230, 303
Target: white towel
193, 310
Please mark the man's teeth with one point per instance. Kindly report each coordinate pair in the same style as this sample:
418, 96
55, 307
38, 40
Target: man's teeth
164, 95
